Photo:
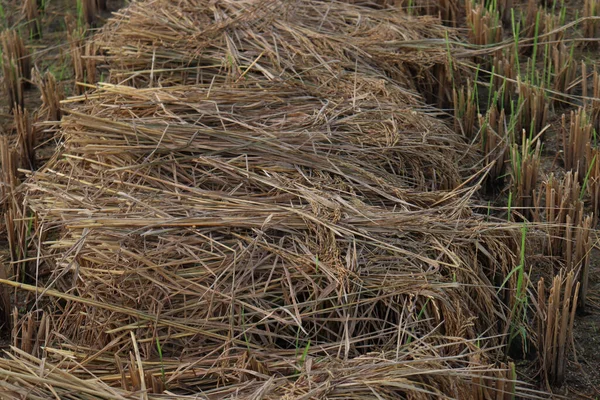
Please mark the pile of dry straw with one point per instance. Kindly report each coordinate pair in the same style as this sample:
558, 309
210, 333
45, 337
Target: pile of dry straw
260, 205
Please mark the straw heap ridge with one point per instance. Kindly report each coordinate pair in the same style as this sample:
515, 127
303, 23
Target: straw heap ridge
258, 204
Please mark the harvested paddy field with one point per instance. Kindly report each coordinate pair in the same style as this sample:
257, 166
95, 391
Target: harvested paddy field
276, 199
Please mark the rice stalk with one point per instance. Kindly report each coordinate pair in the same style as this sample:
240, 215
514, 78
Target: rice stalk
101, 5
89, 62
465, 110
13, 47
525, 164
34, 23
13, 85
555, 317
592, 180
565, 72
17, 226
504, 79
9, 169
504, 8
551, 22
26, 138
32, 333
449, 11
88, 11
82, 56
5, 304
51, 94
591, 25
530, 27
576, 140
532, 109
591, 94
582, 257
16, 67
494, 145
485, 26
562, 206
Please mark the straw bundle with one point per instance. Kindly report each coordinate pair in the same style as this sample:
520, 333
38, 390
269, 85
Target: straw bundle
359, 379
257, 216
218, 234
331, 48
